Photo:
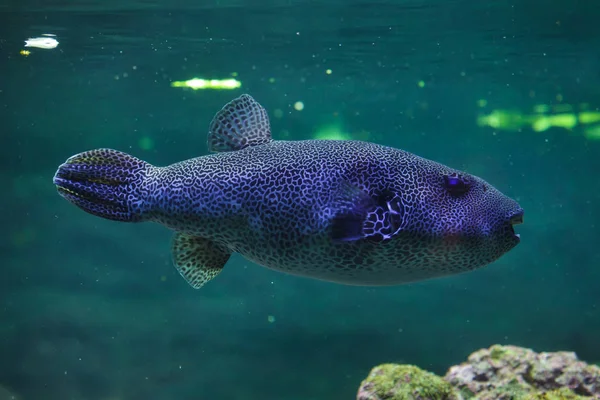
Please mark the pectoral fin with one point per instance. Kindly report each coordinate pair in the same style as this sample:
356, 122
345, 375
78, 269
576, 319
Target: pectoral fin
363, 217
198, 259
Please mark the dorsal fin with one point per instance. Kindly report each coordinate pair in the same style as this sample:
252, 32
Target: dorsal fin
241, 123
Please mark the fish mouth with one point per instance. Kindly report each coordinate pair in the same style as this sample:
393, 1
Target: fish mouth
516, 219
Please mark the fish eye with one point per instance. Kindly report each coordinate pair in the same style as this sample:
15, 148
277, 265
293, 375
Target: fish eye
456, 184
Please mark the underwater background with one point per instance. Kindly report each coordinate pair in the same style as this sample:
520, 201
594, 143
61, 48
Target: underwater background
93, 309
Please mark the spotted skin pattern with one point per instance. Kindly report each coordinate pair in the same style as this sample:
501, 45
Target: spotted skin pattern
350, 212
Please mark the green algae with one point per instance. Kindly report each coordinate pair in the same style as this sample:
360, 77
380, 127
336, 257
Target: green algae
558, 394
498, 352
408, 382
511, 355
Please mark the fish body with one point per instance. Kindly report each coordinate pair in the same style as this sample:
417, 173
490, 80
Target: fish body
350, 212
42, 42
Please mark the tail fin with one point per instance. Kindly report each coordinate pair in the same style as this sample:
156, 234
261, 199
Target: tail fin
104, 182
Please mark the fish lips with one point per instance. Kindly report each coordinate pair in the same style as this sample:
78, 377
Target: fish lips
516, 219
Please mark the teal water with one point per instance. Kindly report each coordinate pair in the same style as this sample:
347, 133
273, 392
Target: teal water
92, 309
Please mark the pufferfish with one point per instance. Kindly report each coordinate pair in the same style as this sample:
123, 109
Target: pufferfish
350, 212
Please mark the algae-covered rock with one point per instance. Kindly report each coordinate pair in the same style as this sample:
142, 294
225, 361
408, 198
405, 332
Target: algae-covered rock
557, 394
509, 372
404, 382
496, 373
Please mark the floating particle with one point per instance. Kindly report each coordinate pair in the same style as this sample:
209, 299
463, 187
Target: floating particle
421, 84
284, 133
271, 319
146, 143
299, 106
328, 71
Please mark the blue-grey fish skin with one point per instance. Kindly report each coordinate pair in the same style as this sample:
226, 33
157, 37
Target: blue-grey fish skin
350, 212
274, 204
